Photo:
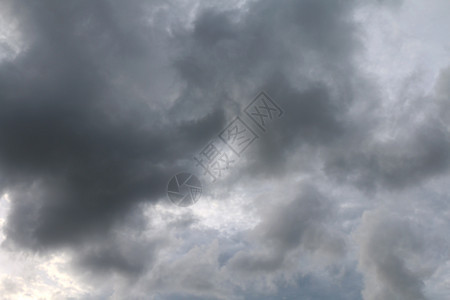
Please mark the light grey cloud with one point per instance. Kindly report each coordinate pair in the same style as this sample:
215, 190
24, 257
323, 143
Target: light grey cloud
419, 151
390, 248
302, 223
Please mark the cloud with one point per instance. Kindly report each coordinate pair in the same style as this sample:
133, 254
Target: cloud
102, 103
417, 152
390, 249
76, 155
79, 152
301, 223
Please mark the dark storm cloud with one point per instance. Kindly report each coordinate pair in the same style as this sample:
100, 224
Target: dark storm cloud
300, 52
230, 50
80, 146
77, 151
319, 94
74, 154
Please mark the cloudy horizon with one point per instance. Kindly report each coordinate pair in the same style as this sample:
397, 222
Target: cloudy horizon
338, 189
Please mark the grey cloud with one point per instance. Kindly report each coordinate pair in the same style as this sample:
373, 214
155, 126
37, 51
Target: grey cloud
228, 54
129, 255
419, 151
232, 53
389, 249
300, 224
196, 274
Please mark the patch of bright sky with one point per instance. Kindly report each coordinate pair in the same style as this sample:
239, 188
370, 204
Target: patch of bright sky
11, 42
399, 41
26, 276
405, 48
227, 216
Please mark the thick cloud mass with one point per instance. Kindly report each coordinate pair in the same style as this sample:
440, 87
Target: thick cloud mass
74, 145
343, 197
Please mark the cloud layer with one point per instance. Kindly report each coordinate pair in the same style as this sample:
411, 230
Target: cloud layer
103, 102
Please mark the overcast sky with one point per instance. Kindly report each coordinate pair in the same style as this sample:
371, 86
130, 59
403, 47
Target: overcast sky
342, 194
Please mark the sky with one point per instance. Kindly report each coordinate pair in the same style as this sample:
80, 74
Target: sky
341, 193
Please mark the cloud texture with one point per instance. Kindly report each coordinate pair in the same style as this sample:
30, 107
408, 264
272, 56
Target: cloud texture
101, 103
